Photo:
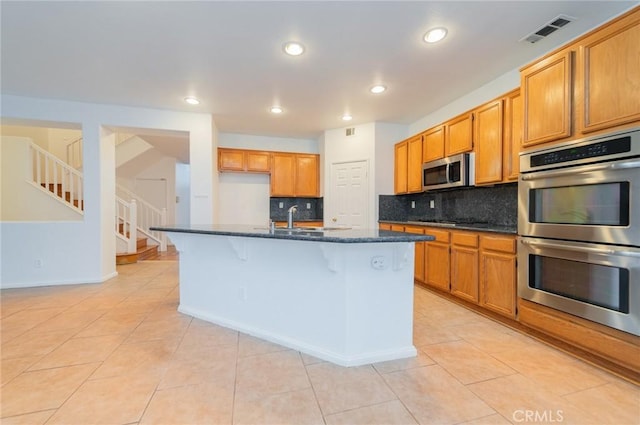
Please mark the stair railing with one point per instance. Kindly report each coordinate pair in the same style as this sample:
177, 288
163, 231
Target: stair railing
126, 226
56, 177
147, 216
74, 153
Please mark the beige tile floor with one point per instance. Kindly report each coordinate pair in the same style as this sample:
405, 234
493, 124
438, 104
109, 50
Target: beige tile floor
120, 353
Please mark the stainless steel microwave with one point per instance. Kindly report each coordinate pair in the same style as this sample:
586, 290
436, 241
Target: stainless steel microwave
453, 171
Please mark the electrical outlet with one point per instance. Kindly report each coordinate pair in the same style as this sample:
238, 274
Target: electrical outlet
281, 205
243, 294
413, 204
378, 262
308, 205
37, 263
432, 204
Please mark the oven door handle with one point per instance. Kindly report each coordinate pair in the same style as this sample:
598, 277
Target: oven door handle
585, 249
582, 170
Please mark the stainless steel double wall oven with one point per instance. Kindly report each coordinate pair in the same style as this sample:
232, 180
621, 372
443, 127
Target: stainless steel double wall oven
579, 226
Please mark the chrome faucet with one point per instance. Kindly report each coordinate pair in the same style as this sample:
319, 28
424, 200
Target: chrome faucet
290, 213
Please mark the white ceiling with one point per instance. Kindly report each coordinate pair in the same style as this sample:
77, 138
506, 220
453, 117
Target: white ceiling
229, 54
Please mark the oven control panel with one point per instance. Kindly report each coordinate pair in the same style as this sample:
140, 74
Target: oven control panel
592, 150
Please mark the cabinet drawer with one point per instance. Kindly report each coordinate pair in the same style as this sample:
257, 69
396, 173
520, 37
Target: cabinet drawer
418, 230
499, 243
464, 239
440, 235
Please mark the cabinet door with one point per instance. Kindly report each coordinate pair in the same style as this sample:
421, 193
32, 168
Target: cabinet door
546, 89
283, 174
459, 136
464, 265
258, 162
419, 253
385, 226
400, 169
609, 70
498, 284
436, 258
433, 144
306, 175
230, 160
488, 140
414, 164
512, 136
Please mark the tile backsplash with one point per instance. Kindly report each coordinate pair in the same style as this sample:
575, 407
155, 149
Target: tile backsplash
280, 214
497, 205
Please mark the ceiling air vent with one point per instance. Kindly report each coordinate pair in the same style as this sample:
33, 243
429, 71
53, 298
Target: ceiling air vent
351, 131
557, 23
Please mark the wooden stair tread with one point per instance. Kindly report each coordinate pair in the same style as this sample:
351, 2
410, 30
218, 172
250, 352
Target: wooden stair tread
142, 253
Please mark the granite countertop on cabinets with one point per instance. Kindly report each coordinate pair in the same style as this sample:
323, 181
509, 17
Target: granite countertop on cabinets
480, 227
314, 234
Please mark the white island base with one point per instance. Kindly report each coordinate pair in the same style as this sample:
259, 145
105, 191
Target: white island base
347, 303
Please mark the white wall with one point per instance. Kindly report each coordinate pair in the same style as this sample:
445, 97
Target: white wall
491, 90
88, 251
387, 135
22, 200
165, 169
283, 144
183, 185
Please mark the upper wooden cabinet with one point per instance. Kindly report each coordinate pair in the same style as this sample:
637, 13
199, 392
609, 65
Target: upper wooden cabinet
488, 126
459, 134
414, 165
401, 156
512, 141
604, 96
546, 89
295, 175
608, 75
408, 166
243, 160
433, 144
307, 176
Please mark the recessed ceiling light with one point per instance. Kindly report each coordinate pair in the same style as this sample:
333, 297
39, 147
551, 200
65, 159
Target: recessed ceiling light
293, 48
435, 35
377, 89
192, 100
276, 110
347, 117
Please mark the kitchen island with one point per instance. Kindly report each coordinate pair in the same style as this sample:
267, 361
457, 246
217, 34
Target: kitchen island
341, 295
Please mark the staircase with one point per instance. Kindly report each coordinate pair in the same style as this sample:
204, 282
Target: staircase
143, 251
65, 184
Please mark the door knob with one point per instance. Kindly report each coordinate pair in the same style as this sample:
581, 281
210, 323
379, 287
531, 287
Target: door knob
334, 219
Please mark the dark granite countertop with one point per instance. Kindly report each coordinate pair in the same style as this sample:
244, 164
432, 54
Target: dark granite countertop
315, 234
480, 227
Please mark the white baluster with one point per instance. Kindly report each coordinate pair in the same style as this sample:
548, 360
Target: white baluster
133, 231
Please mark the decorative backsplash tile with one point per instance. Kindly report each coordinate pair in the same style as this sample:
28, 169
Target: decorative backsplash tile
280, 214
497, 205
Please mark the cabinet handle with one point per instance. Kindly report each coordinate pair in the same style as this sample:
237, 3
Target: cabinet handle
582, 170
334, 219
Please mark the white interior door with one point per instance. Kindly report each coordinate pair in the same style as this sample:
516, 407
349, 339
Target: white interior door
152, 190
349, 203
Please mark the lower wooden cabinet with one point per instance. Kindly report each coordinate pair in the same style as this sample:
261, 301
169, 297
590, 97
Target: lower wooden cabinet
464, 266
419, 253
498, 274
436, 259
